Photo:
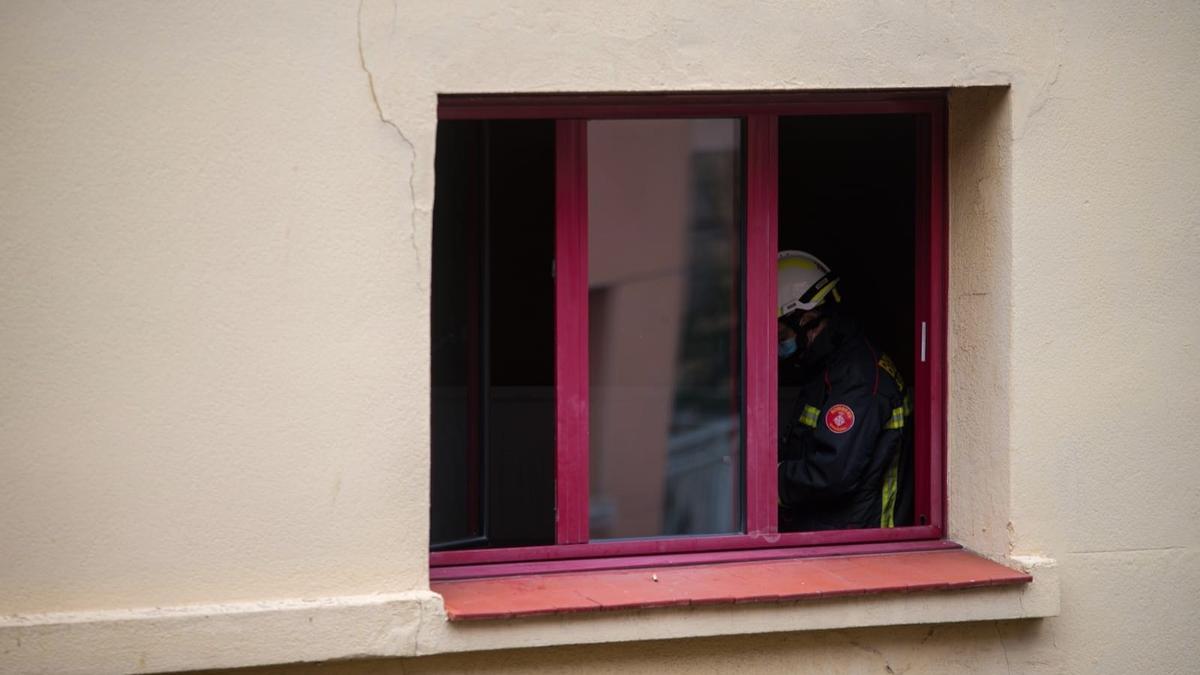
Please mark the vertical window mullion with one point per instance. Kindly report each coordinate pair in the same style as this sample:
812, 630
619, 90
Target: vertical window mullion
921, 325
930, 324
938, 293
935, 267
571, 331
762, 184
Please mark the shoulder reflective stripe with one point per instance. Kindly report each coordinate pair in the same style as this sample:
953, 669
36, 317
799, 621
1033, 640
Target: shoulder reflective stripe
887, 515
889, 367
810, 415
896, 421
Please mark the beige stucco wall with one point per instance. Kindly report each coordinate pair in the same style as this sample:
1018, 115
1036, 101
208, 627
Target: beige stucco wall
214, 255
955, 649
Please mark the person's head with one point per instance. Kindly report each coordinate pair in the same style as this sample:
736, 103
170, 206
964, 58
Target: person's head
806, 288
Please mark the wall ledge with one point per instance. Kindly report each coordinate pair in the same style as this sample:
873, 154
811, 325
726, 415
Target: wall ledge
216, 636
415, 623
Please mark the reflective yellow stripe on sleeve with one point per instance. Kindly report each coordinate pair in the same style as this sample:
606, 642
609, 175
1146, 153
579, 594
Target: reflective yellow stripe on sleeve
887, 515
809, 417
896, 421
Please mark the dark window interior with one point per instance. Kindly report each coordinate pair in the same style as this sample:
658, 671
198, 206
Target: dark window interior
848, 191
493, 335
847, 194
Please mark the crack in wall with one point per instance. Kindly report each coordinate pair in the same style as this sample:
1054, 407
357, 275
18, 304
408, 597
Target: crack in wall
428, 615
1003, 646
887, 663
1044, 94
1158, 549
412, 149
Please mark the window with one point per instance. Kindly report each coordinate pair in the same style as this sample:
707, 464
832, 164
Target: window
603, 314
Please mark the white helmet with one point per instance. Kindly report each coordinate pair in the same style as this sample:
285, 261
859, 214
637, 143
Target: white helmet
803, 282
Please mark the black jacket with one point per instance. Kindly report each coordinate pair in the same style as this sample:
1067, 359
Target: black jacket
844, 435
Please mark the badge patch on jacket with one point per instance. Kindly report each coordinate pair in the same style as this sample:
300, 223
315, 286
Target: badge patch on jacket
839, 418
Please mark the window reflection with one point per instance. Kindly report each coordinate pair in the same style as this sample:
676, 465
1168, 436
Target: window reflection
664, 198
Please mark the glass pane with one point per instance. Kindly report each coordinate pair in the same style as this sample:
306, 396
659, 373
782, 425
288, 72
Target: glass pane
493, 377
664, 205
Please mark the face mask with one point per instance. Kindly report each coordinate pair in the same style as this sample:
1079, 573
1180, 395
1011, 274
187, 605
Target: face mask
787, 348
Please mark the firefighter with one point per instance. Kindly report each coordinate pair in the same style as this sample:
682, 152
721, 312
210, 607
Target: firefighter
845, 450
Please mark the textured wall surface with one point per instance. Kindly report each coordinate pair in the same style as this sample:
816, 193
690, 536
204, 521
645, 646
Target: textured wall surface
210, 310
214, 262
955, 649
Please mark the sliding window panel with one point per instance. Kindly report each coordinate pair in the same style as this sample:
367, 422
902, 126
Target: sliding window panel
665, 205
492, 332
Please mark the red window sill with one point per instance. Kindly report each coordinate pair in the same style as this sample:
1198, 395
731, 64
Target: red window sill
760, 581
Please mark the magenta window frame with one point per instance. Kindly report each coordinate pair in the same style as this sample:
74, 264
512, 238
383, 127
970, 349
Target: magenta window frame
761, 539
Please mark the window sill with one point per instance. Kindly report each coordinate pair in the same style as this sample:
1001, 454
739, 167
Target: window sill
415, 623
715, 584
